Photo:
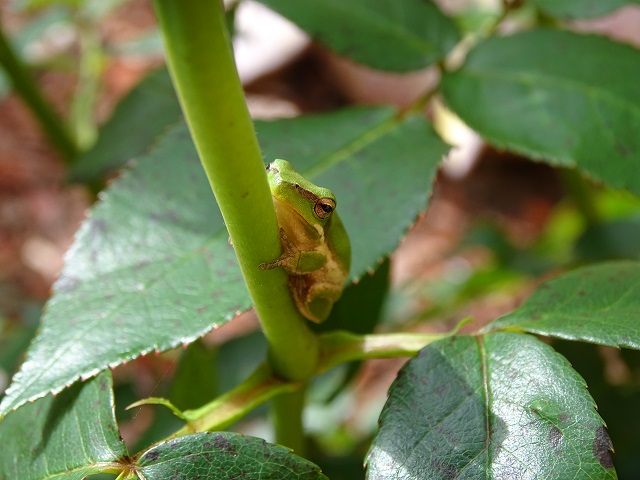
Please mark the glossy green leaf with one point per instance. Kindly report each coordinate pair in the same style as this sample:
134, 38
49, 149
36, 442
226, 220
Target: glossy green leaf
152, 268
138, 120
224, 455
580, 8
598, 304
66, 437
566, 98
498, 406
396, 36
617, 399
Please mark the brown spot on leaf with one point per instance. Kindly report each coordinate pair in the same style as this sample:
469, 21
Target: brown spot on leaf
221, 443
446, 470
152, 456
603, 448
555, 439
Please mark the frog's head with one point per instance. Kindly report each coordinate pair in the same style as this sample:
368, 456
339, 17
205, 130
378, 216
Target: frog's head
315, 204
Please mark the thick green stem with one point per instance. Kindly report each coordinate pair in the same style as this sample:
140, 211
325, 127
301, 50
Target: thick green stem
340, 347
201, 64
286, 413
24, 85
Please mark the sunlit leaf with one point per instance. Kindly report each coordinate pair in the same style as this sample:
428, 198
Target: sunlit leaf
66, 437
557, 96
497, 406
598, 304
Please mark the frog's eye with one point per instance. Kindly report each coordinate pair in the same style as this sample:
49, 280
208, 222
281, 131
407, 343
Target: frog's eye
324, 207
272, 168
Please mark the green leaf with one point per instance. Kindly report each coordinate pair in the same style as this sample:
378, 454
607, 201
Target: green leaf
597, 304
239, 358
498, 406
559, 96
196, 379
137, 121
152, 267
580, 8
617, 239
617, 395
395, 36
224, 455
66, 437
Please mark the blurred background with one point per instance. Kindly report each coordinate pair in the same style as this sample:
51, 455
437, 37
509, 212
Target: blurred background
496, 223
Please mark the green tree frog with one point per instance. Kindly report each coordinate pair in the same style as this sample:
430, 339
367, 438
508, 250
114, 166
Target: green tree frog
316, 249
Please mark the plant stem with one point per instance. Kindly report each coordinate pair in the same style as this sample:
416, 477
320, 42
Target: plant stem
287, 398
286, 411
24, 85
90, 68
340, 346
201, 64
235, 404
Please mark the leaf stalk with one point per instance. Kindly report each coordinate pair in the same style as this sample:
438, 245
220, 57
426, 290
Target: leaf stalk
24, 85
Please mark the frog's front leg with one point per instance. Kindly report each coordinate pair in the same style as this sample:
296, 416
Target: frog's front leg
294, 260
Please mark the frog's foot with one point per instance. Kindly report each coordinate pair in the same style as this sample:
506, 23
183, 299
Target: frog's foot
289, 258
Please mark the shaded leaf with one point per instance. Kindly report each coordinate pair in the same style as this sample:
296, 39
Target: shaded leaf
559, 96
580, 8
224, 455
66, 437
498, 406
137, 121
239, 358
196, 379
396, 36
617, 239
597, 304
